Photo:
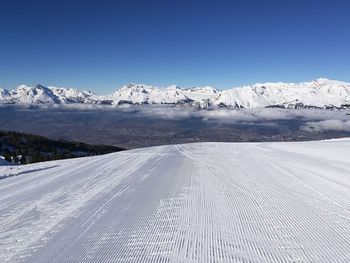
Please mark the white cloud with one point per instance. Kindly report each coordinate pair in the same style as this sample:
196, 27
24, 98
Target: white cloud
320, 119
333, 125
238, 116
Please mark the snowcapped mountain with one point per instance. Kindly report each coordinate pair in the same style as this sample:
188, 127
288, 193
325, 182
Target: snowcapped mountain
44, 95
322, 93
143, 94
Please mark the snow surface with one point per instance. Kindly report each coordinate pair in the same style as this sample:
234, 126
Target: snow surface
44, 95
206, 202
3, 161
323, 93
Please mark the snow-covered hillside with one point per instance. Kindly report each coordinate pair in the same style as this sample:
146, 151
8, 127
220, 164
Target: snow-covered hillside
44, 95
323, 93
207, 202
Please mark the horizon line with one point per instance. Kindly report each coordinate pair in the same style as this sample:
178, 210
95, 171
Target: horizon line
181, 87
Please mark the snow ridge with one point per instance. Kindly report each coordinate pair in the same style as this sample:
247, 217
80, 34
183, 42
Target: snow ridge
320, 93
44, 95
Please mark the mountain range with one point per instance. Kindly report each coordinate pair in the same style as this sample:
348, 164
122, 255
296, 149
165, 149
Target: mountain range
319, 93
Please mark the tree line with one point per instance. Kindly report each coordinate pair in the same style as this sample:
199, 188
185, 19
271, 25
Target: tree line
22, 148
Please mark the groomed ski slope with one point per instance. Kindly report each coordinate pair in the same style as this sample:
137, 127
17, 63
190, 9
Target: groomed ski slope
206, 202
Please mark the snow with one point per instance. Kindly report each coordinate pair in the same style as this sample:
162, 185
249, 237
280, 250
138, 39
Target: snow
205, 202
318, 93
3, 161
44, 95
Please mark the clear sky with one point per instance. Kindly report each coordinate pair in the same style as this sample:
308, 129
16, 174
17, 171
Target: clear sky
101, 45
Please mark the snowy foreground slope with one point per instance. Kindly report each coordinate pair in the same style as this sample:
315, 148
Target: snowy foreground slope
207, 202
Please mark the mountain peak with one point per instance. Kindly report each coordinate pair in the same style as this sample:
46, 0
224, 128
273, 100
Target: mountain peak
323, 79
132, 86
39, 86
173, 86
321, 93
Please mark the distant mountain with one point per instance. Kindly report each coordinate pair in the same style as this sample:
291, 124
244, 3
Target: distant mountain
320, 93
44, 95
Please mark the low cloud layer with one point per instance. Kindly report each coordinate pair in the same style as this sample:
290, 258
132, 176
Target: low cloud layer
244, 115
327, 125
314, 120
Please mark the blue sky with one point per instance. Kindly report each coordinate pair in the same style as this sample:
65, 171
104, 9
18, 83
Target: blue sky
101, 45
